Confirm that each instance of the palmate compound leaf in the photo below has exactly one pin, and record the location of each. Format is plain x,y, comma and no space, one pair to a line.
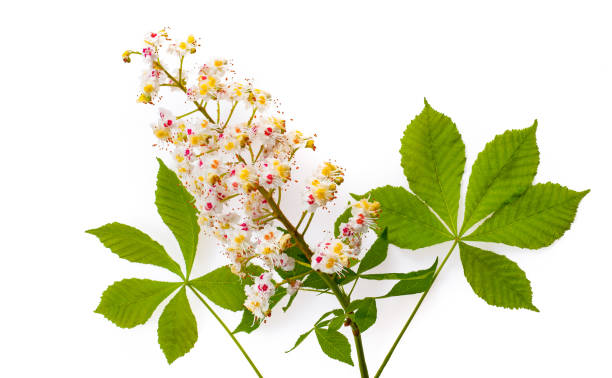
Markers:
502,171
177,329
534,220
334,344
176,207
433,158
409,222
134,245
496,279
131,302
222,287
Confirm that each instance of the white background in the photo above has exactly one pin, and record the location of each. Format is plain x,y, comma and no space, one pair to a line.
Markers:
76,153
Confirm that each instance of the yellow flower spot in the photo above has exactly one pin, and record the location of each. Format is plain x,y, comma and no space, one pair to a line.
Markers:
338,248
239,239
144,98
310,144
218,63
330,263
244,174
284,171
320,193
182,45
197,140
328,169
162,133
191,39
230,146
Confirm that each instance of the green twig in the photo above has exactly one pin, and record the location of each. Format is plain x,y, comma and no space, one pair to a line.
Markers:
342,298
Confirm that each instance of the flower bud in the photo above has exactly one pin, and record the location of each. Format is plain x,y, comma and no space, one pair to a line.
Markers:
284,242
310,144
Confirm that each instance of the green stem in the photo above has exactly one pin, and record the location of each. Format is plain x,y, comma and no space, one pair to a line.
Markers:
342,298
227,330
301,219
416,308
230,114
252,115
259,153
353,288
251,153
308,223
186,114
315,290
218,111
181,70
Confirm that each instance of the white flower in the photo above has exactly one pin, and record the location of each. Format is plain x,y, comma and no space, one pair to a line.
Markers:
332,256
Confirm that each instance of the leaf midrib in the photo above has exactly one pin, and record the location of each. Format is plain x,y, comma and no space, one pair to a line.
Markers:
453,225
466,221
475,233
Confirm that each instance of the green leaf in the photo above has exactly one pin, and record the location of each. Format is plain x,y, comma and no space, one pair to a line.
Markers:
495,278
343,218
366,314
534,220
290,302
336,312
222,287
410,283
336,323
177,329
433,158
376,254
131,302
502,171
176,207
409,221
248,323
335,345
253,270
301,338
134,245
